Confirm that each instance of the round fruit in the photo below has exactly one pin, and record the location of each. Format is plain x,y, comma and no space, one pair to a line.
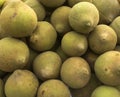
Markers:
14,54
21,83
75,72
83,19
53,88
74,44
105,91
103,38
47,65
107,68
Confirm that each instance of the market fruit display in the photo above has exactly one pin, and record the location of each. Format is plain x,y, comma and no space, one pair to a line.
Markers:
59,48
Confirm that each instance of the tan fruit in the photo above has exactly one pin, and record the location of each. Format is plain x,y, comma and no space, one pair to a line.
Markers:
47,65
21,83
84,19
38,8
107,68
103,38
18,19
74,44
53,88
14,54
54,3
59,19
44,37
105,91
75,72
107,14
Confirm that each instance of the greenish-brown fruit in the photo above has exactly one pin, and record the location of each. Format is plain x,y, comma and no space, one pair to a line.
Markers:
103,38
107,68
117,48
2,88
75,72
2,3
88,89
61,53
84,19
18,19
90,57
74,44
54,3
14,54
47,65
32,56
73,2
53,88
107,14
21,83
105,91
38,8
44,37
115,24
59,19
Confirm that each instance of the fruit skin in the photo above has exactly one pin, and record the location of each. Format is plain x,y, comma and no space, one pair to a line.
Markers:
83,19
44,37
107,67
105,91
89,88
21,83
18,19
54,3
74,44
49,87
73,2
2,2
38,8
115,24
47,65
107,14
103,38
2,88
14,54
60,21
75,72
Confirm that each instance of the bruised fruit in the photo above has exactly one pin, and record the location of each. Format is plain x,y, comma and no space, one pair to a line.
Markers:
103,38
2,88
38,8
89,88
60,20
47,65
14,54
54,3
44,37
75,72
105,91
21,83
84,19
74,44
18,19
116,25
73,2
107,68
108,10
53,88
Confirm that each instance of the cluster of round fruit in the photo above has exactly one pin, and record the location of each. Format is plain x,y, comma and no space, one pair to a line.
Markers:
59,48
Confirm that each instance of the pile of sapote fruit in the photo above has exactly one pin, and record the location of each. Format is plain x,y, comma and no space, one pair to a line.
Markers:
59,48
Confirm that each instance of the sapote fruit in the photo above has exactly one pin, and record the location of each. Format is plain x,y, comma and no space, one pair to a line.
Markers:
21,83
18,19
83,19
107,68
14,54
